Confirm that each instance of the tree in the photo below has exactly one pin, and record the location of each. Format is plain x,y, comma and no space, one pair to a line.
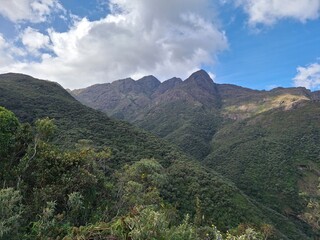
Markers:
10,212
146,223
45,128
8,127
139,184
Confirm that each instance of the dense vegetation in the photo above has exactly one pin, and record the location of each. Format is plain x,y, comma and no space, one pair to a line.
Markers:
273,157
83,175
49,193
266,142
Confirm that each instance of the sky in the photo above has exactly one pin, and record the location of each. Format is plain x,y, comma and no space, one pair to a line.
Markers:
259,44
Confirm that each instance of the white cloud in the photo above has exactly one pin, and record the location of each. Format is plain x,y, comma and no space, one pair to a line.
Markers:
139,37
308,77
269,12
4,56
33,40
29,10
8,52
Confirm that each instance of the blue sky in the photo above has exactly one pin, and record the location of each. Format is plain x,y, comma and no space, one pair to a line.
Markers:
267,57
259,44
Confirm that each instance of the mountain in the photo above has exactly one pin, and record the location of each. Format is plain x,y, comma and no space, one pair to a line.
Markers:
195,100
187,113
123,96
266,142
220,201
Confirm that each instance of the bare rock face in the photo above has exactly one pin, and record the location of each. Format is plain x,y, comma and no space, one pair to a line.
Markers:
202,80
121,98
167,85
148,84
202,88
136,100
129,100
316,96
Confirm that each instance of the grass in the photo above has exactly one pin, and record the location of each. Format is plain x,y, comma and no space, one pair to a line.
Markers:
249,109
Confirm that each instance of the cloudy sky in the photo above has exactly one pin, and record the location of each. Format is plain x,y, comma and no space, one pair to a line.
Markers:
259,44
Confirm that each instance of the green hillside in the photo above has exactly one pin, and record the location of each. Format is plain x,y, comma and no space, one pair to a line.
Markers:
31,99
273,157
190,188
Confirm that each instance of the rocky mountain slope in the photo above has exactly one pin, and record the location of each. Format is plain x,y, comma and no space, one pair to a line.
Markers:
187,113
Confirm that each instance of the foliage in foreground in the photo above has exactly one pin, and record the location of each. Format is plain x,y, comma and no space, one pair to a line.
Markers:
49,193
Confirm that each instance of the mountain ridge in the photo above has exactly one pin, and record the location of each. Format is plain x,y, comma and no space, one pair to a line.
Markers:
196,99
199,83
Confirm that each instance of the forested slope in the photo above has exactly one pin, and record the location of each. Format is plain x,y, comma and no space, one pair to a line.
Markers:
266,142
273,157
40,170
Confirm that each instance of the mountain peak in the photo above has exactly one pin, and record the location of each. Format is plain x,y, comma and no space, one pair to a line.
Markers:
201,73
121,81
149,80
167,85
149,83
172,82
201,78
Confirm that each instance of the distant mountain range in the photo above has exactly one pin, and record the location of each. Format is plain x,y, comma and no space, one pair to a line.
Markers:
128,99
187,113
250,156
